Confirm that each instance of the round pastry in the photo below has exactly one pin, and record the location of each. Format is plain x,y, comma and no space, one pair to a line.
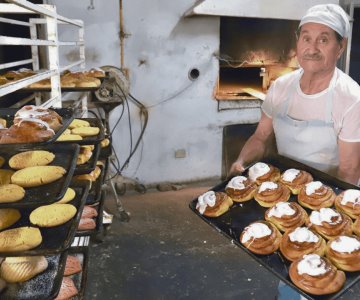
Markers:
261,172
348,202
52,215
344,252
240,189
11,193
269,193
329,223
295,179
20,239
213,204
286,215
31,159
316,275
299,241
261,237
316,195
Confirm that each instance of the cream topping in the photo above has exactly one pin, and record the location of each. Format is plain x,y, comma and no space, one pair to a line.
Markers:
290,174
34,120
351,196
345,244
281,209
255,231
267,185
31,111
311,187
325,215
204,200
311,264
258,170
237,182
302,235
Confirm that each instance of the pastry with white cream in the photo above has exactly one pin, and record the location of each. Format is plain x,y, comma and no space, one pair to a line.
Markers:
213,204
348,202
295,179
261,172
316,195
269,193
240,189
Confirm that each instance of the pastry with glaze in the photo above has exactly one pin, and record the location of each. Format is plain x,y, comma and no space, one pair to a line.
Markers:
316,195
240,189
269,193
261,172
348,202
295,179
213,204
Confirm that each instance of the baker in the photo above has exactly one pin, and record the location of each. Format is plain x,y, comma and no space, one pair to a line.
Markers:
315,110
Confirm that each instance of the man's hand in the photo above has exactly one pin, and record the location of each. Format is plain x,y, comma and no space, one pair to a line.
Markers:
236,168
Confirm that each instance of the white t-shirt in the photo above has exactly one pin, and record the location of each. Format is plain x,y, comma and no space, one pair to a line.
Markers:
345,110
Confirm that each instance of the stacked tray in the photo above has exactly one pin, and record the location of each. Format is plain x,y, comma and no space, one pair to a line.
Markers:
240,215
89,165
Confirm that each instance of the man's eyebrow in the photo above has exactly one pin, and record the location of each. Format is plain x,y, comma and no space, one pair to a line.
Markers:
322,33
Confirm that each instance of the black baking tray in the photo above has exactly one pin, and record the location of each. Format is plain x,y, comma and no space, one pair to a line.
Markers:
45,285
95,191
59,238
65,156
67,115
90,165
240,215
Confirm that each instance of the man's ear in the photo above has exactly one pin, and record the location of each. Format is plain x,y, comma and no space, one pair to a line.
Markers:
343,44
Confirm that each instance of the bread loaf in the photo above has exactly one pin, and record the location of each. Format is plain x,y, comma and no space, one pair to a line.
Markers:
11,193
8,217
20,239
31,159
86,131
52,215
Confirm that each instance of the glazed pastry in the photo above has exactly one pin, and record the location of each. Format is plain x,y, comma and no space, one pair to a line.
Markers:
213,204
344,252
269,193
240,189
316,195
286,215
348,202
295,179
261,172
329,223
300,241
316,275
261,237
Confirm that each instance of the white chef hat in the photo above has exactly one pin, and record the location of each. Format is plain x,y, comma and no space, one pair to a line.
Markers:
331,15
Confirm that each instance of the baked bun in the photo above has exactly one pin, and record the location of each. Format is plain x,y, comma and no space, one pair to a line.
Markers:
31,159
92,176
240,189
20,239
295,179
11,193
213,204
316,275
5,176
72,265
52,215
330,223
45,83
85,131
286,215
8,217
300,241
348,202
344,252
84,155
69,137
104,143
269,193
22,268
261,237
67,289
316,195
69,196
95,72
86,224
78,123
261,172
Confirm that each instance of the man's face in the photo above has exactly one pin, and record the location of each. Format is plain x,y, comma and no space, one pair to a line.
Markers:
317,48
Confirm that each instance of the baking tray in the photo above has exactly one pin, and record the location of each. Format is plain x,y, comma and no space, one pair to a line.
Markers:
90,164
95,191
59,238
45,286
65,156
67,115
240,215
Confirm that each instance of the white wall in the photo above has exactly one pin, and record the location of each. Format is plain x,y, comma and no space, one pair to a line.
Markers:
161,48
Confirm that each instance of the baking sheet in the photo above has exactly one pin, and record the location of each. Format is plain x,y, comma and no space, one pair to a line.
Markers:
240,215
58,238
67,115
45,285
65,156
90,164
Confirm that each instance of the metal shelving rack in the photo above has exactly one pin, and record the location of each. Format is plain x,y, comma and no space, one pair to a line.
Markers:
51,20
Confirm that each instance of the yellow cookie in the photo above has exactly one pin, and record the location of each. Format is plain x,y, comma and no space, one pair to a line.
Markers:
69,195
104,143
36,176
30,159
2,160
8,217
52,215
69,137
11,193
5,176
20,239
79,123
86,131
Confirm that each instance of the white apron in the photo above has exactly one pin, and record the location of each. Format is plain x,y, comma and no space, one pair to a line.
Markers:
312,142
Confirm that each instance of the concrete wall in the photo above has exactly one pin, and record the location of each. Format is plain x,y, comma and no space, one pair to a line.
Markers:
160,50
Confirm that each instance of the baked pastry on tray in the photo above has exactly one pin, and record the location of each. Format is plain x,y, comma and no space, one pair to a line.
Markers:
213,204
240,189
330,223
269,193
348,202
316,275
316,195
344,252
295,179
286,215
261,172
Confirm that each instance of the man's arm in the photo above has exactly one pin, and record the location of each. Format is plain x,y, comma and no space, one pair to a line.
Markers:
349,161
255,146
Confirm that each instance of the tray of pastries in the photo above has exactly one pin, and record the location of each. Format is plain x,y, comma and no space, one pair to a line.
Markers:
45,229
33,125
31,277
37,175
87,159
301,224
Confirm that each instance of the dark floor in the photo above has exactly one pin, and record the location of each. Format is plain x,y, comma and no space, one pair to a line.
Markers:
168,252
